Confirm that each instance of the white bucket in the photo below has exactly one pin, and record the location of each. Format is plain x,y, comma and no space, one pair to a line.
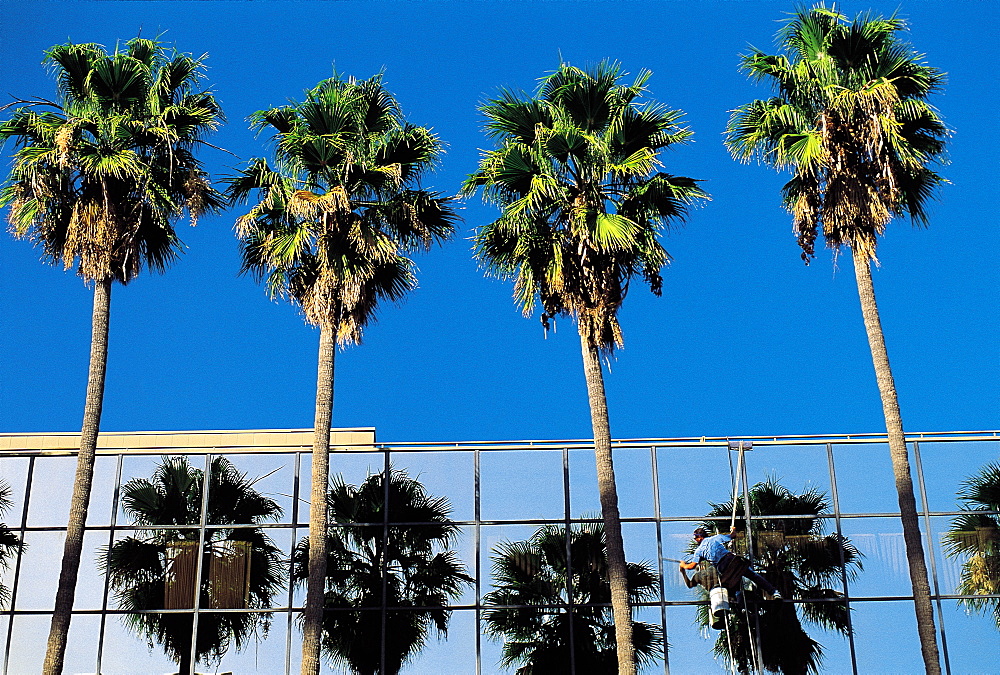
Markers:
719,599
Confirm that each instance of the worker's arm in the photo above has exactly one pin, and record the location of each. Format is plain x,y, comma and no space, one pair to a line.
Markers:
688,565
687,582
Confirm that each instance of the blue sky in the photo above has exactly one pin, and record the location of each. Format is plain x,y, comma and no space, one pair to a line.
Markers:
746,340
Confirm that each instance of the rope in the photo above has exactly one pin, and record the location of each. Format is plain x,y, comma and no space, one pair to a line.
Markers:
736,482
729,643
755,628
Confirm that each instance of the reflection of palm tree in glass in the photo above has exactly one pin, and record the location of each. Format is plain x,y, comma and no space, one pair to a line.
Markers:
10,543
534,573
975,538
241,566
372,553
803,563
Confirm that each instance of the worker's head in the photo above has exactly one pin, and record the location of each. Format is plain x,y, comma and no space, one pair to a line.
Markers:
700,534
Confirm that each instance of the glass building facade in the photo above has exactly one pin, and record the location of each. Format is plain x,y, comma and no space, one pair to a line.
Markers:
505,492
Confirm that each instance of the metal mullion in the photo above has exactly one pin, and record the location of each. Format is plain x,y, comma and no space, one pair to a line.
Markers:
659,554
265,610
386,480
476,514
931,553
749,536
567,505
17,564
291,565
199,561
107,576
843,562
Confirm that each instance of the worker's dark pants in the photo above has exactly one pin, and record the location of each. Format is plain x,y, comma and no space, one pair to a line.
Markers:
759,581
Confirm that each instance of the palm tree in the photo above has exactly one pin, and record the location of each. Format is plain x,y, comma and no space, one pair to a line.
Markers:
156,569
99,178
851,121
975,539
567,604
583,205
334,219
802,561
10,543
390,572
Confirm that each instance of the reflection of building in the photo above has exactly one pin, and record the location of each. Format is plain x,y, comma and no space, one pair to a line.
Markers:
228,573
500,491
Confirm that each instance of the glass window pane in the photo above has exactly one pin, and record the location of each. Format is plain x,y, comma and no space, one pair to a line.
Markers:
29,633
14,472
143,468
126,651
860,466
640,545
676,541
102,492
51,491
690,645
90,583
521,484
797,467
633,480
263,652
454,653
880,542
947,465
969,634
491,537
967,558
81,643
691,478
443,474
272,476
42,561
872,621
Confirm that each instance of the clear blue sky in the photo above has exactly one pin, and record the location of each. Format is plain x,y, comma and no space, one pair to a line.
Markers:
745,340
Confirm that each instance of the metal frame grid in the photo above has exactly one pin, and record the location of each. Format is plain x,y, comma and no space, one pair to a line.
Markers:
295,453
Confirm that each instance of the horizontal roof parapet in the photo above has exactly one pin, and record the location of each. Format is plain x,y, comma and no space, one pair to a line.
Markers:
192,441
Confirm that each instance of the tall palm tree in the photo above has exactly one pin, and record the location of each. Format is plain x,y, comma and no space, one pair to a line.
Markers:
335,216
156,569
851,121
975,539
10,543
583,206
99,178
803,562
538,637
378,553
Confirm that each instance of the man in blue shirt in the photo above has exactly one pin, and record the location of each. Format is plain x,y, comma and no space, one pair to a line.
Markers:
713,549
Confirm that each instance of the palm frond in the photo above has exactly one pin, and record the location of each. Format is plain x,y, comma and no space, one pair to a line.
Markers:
582,206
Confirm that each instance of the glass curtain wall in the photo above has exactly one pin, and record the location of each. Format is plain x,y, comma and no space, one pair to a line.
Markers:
207,542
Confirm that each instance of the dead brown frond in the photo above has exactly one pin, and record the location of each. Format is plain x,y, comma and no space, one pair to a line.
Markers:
195,188
64,143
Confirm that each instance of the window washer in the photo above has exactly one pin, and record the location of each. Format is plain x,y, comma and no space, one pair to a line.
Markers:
730,566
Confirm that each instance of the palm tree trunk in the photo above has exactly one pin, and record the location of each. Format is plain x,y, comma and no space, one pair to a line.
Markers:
185,667
900,467
609,507
312,629
55,651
